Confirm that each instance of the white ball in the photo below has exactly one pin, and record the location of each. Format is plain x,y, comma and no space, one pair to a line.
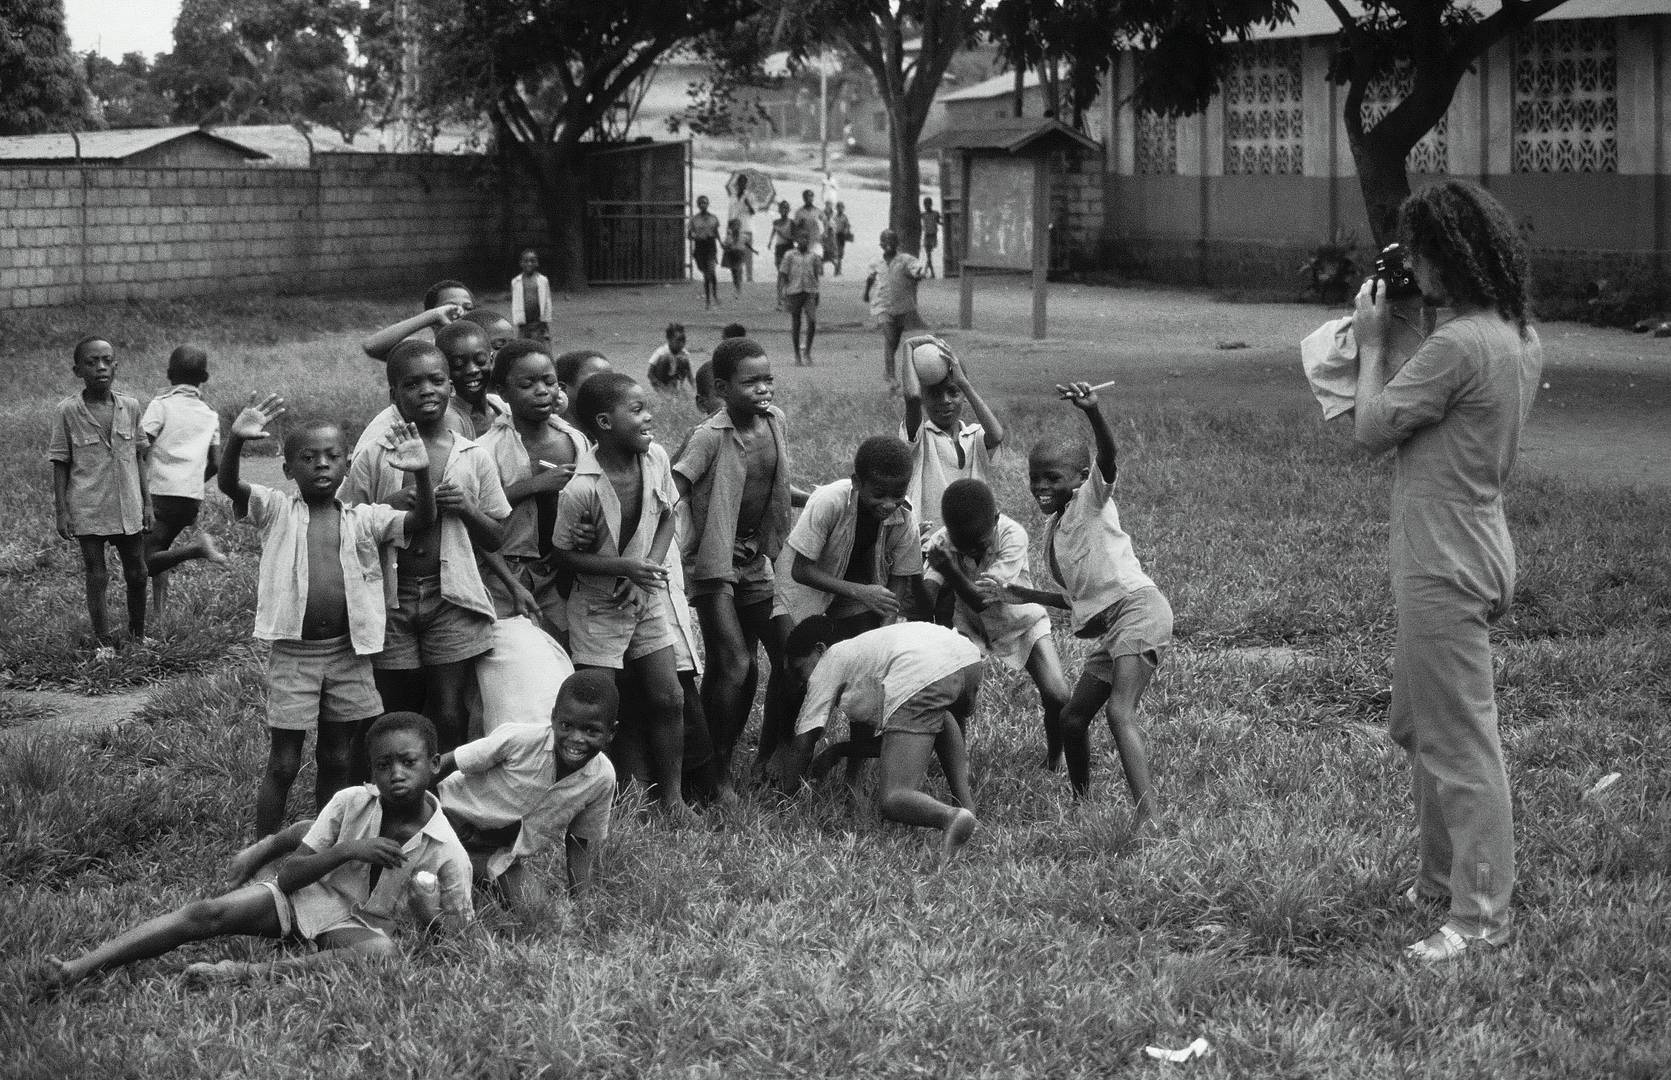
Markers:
929,359
424,881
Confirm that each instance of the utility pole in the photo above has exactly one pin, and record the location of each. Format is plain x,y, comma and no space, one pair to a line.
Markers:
823,113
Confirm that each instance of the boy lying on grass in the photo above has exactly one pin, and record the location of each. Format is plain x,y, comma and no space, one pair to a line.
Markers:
345,888
527,788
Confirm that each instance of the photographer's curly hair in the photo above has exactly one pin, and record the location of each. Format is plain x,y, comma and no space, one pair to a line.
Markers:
1474,244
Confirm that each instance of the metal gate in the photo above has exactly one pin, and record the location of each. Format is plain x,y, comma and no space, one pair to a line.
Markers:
636,210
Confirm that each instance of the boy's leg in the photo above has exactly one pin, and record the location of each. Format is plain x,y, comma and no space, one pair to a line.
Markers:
246,910
811,324
333,750
284,760
904,764
522,891
131,550
98,584
730,655
1044,664
1089,696
892,328
1131,678
664,708
783,697
449,685
795,325
335,947
174,515
953,752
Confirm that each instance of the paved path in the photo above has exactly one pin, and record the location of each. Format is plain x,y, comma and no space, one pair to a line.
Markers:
63,713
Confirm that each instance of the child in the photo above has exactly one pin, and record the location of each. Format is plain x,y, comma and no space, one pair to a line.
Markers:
944,447
445,301
324,620
469,362
1112,601
498,329
618,609
530,299
670,363
737,254
573,369
930,222
894,279
346,888
530,788
857,547
99,488
184,436
535,451
783,241
929,680
703,232
439,613
706,400
841,230
975,543
734,470
798,276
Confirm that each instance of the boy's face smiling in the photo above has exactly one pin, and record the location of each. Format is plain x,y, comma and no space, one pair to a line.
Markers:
468,361
318,465
880,496
580,732
401,766
750,388
456,294
531,388
530,263
1053,481
422,390
96,365
628,424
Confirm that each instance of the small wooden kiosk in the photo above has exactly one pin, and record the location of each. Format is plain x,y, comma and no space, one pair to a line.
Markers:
1004,212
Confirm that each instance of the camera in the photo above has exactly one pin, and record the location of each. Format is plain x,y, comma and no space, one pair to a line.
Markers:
1392,267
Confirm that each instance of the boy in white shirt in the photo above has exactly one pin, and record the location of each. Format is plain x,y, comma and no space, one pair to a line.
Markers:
531,299
185,445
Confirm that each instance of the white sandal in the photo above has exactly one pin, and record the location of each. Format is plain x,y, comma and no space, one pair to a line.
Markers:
1447,943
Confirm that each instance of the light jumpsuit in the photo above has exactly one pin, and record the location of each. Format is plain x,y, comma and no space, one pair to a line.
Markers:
1454,413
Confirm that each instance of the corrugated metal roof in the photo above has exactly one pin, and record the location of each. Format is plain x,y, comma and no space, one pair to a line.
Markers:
1313,18
1011,134
995,87
112,145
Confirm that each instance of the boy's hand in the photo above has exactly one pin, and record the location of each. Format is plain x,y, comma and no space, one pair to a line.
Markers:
938,560
1078,394
245,863
148,517
251,424
553,480
994,591
376,850
64,525
644,573
583,535
524,603
446,313
406,449
878,599
451,498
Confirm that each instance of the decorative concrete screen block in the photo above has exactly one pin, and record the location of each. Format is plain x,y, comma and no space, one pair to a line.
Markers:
1263,114
1566,104
1383,94
1156,138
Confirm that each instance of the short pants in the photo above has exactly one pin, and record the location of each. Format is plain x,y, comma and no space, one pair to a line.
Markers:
797,302
173,514
535,575
425,631
755,584
924,713
313,681
1138,624
604,632
289,924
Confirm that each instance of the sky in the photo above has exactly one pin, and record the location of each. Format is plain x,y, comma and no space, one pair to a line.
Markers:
115,27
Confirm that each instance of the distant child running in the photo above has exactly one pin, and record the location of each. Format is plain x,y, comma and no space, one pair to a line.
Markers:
893,278
737,254
185,451
345,888
526,789
99,487
670,363
799,275
930,222
918,684
320,595
1112,602
703,231
531,299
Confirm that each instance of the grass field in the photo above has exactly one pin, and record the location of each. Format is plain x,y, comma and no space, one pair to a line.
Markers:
788,941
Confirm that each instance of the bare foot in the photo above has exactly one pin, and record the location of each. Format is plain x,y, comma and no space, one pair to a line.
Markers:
211,550
726,796
680,814
219,971
52,976
956,834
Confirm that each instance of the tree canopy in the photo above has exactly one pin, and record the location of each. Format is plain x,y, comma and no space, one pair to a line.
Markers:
41,86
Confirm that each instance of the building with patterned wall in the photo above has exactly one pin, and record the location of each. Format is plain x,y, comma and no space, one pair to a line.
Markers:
1569,124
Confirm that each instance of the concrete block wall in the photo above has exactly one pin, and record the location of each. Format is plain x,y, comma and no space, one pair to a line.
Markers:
70,234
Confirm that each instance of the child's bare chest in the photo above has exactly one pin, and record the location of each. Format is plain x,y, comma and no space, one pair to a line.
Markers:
548,444
628,484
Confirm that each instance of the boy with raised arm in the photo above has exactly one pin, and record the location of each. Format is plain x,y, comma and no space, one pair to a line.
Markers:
525,789
734,470
1112,601
319,599
444,302
346,887
440,617
944,446
619,616
99,488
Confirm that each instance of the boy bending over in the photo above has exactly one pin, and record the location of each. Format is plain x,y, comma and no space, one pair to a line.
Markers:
527,788
319,599
346,888
918,683
1112,601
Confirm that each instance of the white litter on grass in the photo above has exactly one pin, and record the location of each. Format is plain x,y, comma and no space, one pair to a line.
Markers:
1200,1048
1600,786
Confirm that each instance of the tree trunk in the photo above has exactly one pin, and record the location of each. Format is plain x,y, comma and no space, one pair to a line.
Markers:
560,185
905,179
1383,182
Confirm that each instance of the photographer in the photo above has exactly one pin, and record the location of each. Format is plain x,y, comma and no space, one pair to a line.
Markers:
1452,415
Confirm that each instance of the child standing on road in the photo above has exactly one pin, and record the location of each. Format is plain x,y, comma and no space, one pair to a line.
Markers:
99,488
977,543
737,254
930,222
1112,600
320,598
894,279
619,615
440,616
346,888
528,788
798,277
185,442
531,299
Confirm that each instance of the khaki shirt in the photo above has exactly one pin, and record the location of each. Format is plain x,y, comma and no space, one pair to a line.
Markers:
103,494
903,658
1090,554
184,434
934,464
510,456
715,461
591,497
825,532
